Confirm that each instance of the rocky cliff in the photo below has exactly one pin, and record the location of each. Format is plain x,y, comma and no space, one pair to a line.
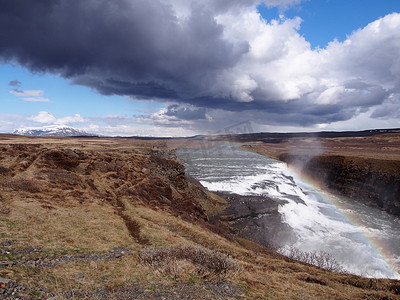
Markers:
256,218
374,182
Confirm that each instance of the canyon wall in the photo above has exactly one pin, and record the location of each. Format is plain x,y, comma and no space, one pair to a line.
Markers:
374,182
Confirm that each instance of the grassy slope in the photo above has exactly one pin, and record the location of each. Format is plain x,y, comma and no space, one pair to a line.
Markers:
76,196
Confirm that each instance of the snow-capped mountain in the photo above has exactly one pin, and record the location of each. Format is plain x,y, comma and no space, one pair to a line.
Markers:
52,130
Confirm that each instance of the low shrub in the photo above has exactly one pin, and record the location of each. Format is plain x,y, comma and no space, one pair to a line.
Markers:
320,259
64,177
21,184
4,170
65,159
180,261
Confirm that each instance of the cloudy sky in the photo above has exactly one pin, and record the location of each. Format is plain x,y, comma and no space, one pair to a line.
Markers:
185,67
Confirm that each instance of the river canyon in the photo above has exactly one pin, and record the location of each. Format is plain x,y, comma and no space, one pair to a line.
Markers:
364,240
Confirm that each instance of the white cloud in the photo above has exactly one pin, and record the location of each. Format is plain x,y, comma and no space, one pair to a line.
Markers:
331,85
283,4
43,117
280,61
331,95
134,130
370,53
161,118
9,122
243,87
30,95
156,124
27,93
36,99
70,120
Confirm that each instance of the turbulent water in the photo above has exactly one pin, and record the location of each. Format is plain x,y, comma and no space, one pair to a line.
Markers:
364,240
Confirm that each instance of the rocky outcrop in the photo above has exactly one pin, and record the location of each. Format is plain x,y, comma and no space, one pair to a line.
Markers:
256,218
374,182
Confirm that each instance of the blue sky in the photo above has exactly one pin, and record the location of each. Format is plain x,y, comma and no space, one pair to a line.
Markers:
326,20
65,98
201,107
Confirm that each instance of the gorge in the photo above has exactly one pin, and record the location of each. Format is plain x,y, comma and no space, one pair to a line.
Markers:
362,238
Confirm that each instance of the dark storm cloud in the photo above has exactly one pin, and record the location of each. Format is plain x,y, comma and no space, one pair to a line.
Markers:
293,112
125,47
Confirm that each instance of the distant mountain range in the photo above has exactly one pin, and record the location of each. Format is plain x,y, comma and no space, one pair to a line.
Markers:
52,130
265,137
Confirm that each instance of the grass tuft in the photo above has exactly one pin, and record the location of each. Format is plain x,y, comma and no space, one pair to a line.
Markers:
184,261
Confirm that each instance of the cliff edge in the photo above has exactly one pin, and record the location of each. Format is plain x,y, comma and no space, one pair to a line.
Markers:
373,182
363,168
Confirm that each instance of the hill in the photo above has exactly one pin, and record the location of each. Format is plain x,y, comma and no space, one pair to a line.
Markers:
52,130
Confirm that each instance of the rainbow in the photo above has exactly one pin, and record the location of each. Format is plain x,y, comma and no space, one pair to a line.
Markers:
380,249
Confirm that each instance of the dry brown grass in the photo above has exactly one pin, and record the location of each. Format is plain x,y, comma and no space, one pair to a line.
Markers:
183,261
382,147
173,230
87,228
107,274
79,209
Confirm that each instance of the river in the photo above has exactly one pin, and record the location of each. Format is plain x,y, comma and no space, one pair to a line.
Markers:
364,240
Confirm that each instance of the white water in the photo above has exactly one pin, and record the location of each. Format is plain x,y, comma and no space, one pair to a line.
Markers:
317,223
